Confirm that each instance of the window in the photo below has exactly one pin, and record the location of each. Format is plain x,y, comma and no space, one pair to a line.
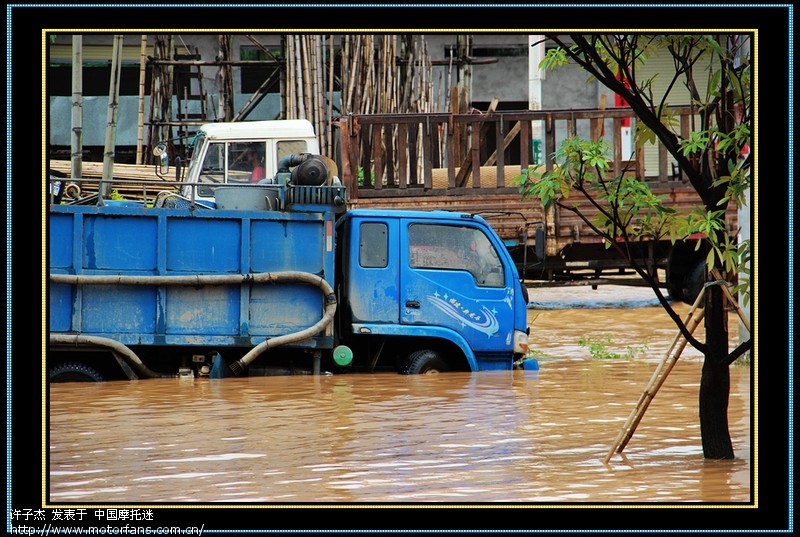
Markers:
96,68
291,147
246,162
373,250
95,80
243,163
253,76
434,246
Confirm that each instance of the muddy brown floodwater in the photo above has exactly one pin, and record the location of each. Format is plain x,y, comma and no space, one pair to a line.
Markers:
521,436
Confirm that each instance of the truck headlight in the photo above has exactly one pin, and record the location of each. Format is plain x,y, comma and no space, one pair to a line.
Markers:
520,342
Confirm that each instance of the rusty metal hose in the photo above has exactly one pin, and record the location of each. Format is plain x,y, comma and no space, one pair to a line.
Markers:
116,347
209,279
330,309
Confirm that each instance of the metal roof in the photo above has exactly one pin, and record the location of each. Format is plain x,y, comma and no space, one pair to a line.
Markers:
255,130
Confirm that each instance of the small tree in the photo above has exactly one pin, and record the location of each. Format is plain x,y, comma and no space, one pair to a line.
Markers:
715,158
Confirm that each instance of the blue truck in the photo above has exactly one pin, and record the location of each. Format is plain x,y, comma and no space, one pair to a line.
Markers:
276,278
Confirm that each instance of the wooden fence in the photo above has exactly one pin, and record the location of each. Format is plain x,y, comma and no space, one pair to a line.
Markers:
461,151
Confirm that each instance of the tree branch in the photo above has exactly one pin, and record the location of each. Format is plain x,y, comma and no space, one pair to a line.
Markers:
743,347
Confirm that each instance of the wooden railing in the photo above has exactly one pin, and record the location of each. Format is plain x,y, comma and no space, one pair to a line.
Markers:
390,154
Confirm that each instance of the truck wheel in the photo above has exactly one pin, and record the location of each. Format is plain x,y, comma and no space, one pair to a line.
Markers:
75,372
424,362
694,282
684,278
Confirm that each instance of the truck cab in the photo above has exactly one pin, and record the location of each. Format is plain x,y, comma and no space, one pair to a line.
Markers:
229,153
410,276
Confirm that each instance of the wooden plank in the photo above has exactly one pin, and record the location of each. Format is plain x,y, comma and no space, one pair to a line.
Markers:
477,137
427,169
347,163
413,128
500,155
524,144
378,155
402,148
477,142
388,160
451,155
144,172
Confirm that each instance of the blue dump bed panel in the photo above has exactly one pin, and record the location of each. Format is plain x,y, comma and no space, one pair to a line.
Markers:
135,241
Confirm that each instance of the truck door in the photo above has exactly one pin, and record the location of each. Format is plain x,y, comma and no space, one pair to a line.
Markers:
453,277
373,272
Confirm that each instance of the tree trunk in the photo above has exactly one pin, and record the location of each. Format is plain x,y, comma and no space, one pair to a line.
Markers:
715,381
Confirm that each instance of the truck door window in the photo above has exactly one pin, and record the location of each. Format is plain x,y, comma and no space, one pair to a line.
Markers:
435,246
212,171
246,162
231,162
373,248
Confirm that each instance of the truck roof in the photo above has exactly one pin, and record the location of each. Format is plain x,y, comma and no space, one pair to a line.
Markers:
411,213
254,130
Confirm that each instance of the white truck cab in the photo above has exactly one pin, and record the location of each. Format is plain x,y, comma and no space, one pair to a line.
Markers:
246,152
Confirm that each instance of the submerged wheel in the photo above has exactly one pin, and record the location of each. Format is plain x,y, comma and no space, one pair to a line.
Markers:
424,362
694,281
682,271
75,372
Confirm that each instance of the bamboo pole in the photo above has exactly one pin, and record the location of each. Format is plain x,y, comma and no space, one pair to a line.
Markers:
733,301
76,140
142,78
301,98
290,89
283,81
319,112
111,119
305,66
667,363
350,74
371,79
331,78
318,84
657,379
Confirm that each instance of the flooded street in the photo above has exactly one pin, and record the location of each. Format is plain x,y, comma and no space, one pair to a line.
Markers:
505,437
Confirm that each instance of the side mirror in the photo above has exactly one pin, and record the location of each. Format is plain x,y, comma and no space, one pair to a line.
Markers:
160,152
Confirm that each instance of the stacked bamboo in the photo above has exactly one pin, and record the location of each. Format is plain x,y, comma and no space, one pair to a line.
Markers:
308,83
383,74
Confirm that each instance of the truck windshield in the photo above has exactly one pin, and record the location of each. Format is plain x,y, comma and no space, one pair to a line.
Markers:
232,162
438,246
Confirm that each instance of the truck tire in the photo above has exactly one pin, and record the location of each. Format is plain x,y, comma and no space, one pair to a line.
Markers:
424,362
694,282
681,265
75,372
